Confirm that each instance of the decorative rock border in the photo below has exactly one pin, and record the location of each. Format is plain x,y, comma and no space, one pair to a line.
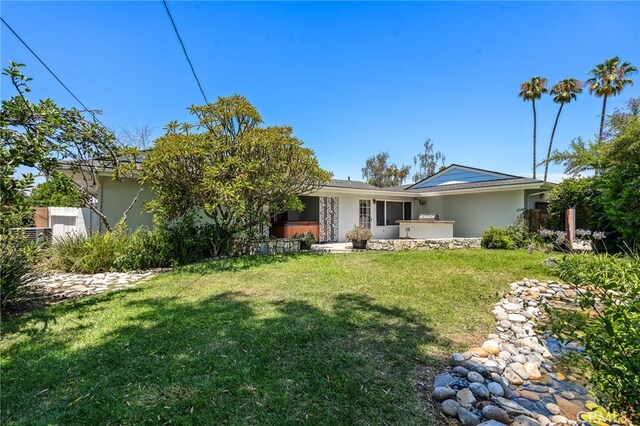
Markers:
281,245
489,385
57,287
420,244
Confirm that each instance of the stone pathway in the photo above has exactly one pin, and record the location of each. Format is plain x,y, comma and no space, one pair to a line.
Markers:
511,378
58,287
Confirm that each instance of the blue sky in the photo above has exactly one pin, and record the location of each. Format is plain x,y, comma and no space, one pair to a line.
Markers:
351,78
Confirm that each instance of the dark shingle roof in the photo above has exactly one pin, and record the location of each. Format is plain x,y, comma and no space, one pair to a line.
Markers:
353,184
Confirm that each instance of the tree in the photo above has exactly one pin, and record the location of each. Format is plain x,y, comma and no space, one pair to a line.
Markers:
236,172
609,78
44,138
563,92
531,91
377,172
58,191
427,161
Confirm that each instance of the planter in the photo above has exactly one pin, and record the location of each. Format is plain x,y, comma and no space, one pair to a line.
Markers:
359,244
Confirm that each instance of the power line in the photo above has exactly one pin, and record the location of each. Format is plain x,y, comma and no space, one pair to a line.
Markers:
43,64
184,49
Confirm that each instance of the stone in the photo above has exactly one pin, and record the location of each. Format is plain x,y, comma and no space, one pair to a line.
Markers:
512,377
516,318
491,423
511,407
519,369
538,388
506,346
568,408
450,407
529,395
441,393
491,346
479,390
519,358
542,419
479,352
559,419
495,389
492,412
465,398
467,418
478,368
475,377
505,323
525,421
457,359
460,371
504,355
553,408
532,370
568,394
445,380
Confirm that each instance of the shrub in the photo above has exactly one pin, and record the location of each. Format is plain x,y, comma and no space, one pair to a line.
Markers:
606,324
306,239
18,258
496,238
520,231
358,233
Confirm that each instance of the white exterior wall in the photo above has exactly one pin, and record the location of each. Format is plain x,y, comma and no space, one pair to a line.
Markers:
474,213
67,221
349,212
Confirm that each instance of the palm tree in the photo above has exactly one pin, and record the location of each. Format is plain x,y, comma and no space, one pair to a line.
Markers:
563,92
530,91
609,78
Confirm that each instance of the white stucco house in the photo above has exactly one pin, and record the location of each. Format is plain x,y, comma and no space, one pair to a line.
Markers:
467,201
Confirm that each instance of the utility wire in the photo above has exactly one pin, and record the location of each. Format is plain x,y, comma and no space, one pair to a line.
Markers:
184,49
44,65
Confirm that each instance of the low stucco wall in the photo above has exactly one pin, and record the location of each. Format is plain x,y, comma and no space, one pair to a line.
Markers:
419,244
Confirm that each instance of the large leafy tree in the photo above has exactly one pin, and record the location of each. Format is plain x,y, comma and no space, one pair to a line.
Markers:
533,90
427,161
41,138
58,191
230,167
378,172
563,92
609,79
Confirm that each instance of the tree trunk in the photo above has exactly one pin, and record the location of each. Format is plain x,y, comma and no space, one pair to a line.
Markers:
604,107
533,104
553,132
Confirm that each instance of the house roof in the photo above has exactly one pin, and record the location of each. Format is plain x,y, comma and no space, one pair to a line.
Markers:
353,184
458,174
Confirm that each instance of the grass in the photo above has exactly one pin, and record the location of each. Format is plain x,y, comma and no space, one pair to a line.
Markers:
316,339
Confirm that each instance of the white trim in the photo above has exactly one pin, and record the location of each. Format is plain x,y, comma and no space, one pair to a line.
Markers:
481,190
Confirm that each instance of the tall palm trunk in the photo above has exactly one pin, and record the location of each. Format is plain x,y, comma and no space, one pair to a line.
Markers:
604,107
533,103
553,132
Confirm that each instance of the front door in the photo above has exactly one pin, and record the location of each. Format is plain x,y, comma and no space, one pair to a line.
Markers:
328,219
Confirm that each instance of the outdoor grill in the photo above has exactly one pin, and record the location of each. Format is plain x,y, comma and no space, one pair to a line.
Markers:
428,217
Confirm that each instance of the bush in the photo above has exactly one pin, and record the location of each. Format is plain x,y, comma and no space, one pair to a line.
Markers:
520,231
166,245
496,238
606,325
358,233
18,259
306,239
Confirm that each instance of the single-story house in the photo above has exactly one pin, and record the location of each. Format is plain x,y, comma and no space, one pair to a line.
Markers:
466,200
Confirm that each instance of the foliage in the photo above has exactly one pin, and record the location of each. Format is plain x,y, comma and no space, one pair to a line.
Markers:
378,172
520,230
18,260
236,172
358,233
497,238
45,137
315,325
609,79
607,324
58,191
533,90
563,92
306,239
427,161
179,243
609,199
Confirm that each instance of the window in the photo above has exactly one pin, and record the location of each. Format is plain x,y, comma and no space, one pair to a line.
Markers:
388,213
365,213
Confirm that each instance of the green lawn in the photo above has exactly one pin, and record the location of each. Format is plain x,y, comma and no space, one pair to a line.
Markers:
317,339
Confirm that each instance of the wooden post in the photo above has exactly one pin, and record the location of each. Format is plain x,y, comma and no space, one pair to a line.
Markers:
570,222
41,217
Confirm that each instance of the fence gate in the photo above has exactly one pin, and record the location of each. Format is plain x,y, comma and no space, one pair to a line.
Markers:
328,219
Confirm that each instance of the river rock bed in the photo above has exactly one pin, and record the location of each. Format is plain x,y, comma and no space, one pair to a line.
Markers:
511,377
